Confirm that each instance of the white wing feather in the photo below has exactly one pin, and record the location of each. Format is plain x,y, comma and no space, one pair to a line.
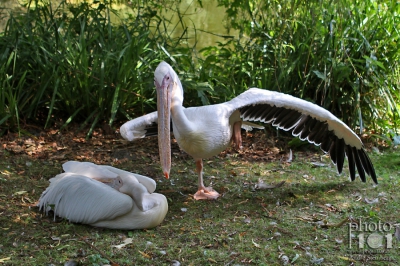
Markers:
82,199
136,128
88,169
255,96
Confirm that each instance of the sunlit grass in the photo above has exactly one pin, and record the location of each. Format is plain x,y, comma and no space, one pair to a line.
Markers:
245,226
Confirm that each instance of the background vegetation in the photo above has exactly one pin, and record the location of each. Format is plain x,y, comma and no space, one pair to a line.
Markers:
67,63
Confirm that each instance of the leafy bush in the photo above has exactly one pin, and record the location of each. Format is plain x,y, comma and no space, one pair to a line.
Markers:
343,55
70,63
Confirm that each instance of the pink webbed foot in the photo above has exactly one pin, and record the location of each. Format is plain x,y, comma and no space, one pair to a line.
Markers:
206,193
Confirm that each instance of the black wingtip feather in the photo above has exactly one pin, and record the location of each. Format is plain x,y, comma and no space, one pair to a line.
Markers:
315,131
352,163
340,147
359,165
367,165
333,152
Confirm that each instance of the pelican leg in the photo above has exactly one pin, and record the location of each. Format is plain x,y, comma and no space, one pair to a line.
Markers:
236,136
203,192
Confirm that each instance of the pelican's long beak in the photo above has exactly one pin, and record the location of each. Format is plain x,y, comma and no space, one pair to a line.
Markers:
164,91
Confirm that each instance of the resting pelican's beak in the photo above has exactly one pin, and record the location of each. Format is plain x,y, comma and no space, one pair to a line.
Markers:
164,91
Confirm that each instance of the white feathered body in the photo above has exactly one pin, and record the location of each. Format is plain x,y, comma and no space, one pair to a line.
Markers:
82,198
211,133
205,131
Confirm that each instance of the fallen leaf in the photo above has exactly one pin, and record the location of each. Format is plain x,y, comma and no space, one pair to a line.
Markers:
20,192
62,247
295,258
372,201
346,258
4,259
127,241
315,260
255,244
338,240
316,164
262,185
145,254
5,172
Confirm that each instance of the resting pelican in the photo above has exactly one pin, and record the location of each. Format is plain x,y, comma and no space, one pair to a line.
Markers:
205,131
104,196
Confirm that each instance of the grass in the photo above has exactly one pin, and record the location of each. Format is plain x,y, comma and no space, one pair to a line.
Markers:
63,63
58,69
246,226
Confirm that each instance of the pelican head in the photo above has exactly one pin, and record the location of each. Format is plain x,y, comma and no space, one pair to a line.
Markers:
165,80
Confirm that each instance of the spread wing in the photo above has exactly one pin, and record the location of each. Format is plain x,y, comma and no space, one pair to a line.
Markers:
140,127
309,122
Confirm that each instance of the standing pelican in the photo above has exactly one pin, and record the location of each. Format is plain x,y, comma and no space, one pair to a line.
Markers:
104,196
205,131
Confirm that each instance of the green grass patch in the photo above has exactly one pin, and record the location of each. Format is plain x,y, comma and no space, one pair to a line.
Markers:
91,65
304,220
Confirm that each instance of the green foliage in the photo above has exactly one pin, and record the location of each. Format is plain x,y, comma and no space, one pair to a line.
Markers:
71,63
342,55
97,260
